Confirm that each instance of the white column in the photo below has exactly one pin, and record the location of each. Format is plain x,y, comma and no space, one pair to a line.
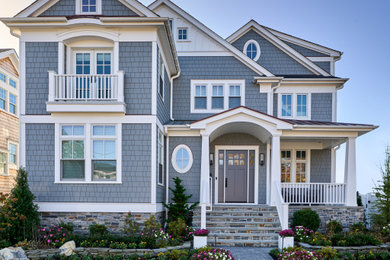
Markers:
204,178
350,172
270,102
275,165
61,58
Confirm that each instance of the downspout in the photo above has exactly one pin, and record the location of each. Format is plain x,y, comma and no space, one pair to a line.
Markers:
171,96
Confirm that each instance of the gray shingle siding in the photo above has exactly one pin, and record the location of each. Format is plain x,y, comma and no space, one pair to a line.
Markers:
136,170
40,58
109,8
135,59
305,51
193,68
325,65
160,193
320,166
275,104
272,58
321,107
61,8
163,107
191,179
115,8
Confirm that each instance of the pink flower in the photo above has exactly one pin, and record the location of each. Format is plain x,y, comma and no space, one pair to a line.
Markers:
51,235
48,241
63,234
43,229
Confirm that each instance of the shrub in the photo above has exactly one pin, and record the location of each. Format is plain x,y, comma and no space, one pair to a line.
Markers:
98,230
55,236
303,234
334,227
355,239
299,253
19,216
320,240
177,228
131,226
307,218
357,227
152,224
207,253
177,254
180,208
327,252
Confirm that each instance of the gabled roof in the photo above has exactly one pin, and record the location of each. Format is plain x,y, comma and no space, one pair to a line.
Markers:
39,6
12,55
263,31
196,23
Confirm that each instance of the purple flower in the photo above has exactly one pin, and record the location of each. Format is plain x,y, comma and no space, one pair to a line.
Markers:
286,233
201,232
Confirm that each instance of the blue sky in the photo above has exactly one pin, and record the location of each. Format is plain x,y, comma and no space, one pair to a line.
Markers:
358,28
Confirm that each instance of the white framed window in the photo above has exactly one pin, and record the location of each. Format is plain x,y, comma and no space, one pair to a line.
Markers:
12,104
3,163
3,77
252,49
89,153
182,158
294,105
161,77
3,99
160,157
12,83
295,165
214,96
88,7
182,34
88,62
13,153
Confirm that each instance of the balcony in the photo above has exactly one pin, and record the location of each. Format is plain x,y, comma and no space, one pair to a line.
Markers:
86,93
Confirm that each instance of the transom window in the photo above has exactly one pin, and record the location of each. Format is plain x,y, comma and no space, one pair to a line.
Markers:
214,96
182,158
3,163
12,104
3,98
12,153
294,105
182,34
252,49
89,153
294,166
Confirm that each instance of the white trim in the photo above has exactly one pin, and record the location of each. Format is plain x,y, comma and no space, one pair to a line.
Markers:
258,53
153,164
109,107
204,53
99,207
93,118
190,160
79,10
294,106
16,163
209,86
160,153
154,78
22,78
61,50
320,59
268,173
177,34
237,53
294,161
216,177
22,144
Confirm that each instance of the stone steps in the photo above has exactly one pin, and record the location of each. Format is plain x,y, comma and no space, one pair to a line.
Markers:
248,226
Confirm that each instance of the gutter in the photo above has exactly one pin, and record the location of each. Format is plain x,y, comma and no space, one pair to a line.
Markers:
171,95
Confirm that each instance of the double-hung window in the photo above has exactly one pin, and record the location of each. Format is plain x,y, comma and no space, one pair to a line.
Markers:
201,97
12,153
286,105
12,104
12,83
294,165
3,98
301,105
3,163
294,105
160,157
161,72
182,34
104,153
217,98
3,77
234,96
72,152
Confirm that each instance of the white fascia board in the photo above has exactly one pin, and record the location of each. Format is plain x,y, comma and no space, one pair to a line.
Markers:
99,207
34,7
338,82
237,53
280,44
88,118
138,8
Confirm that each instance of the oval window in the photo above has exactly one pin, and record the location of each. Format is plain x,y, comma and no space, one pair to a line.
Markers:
252,49
182,158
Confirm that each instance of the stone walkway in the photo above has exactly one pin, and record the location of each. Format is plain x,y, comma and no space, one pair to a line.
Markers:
250,253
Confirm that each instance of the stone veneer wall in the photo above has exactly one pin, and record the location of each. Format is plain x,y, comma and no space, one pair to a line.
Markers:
82,220
346,215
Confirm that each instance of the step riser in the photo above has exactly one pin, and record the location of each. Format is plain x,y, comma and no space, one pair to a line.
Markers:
239,220
232,214
238,244
243,225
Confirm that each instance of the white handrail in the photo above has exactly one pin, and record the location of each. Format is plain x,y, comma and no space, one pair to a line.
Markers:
281,206
210,201
73,87
313,193
203,204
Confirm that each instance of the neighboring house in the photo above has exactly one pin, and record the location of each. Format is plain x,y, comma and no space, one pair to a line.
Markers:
368,201
118,98
9,118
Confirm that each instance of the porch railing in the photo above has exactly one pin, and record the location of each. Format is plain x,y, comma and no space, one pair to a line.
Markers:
281,205
85,87
313,193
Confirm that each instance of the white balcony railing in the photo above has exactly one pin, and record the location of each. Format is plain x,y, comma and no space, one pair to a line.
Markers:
86,87
313,193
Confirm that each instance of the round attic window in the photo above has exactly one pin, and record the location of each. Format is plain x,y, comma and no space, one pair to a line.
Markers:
252,49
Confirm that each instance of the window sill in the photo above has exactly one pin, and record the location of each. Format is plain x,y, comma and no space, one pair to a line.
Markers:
183,40
87,182
160,184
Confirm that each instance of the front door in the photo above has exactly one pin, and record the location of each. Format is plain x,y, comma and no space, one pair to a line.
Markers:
236,176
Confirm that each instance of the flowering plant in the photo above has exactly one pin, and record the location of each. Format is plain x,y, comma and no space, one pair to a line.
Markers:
54,236
286,233
201,232
386,229
303,234
207,253
299,254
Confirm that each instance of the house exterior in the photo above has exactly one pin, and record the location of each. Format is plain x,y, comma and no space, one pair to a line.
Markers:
117,99
9,118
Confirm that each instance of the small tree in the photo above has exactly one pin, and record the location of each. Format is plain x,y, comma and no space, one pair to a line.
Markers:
180,208
359,199
382,193
19,216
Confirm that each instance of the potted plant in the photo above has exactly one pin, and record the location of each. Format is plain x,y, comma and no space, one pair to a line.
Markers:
286,239
200,238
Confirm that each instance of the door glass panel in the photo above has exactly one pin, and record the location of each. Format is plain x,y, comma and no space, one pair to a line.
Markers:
285,166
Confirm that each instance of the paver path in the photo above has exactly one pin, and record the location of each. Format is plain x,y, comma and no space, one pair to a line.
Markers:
250,253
